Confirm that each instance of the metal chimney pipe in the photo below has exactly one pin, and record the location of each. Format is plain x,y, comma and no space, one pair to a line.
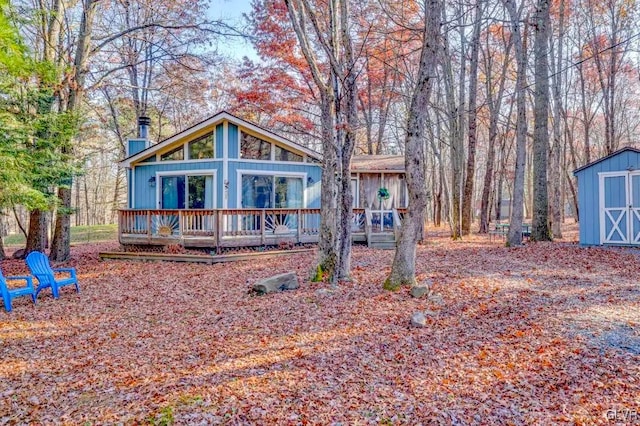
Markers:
143,127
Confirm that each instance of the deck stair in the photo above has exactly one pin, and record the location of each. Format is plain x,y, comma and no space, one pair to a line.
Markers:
382,240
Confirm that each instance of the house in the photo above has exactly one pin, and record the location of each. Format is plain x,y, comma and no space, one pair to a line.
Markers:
226,182
609,199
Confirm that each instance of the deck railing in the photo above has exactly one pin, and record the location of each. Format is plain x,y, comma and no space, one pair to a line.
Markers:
229,227
213,227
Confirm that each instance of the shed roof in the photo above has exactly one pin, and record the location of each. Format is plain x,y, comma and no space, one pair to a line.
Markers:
379,163
599,160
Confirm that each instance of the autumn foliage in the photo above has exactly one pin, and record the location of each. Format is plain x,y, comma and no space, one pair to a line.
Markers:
545,334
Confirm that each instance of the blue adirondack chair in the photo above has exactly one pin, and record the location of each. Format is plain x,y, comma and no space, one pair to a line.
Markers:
8,294
38,263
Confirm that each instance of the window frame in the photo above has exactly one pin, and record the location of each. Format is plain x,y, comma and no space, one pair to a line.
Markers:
187,145
172,151
274,174
186,174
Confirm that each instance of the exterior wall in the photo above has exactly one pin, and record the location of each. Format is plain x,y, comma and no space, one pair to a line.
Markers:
234,145
305,170
145,195
134,146
589,193
219,137
226,164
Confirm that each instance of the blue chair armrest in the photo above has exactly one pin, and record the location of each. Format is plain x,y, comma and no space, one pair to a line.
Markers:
71,271
26,278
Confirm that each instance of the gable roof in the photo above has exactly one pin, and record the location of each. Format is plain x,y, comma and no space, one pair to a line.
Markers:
378,163
599,160
214,119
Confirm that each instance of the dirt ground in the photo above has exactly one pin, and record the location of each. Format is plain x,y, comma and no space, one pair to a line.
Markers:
548,333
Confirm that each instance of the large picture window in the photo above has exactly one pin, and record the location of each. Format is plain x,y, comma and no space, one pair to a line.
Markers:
254,148
202,147
190,191
266,192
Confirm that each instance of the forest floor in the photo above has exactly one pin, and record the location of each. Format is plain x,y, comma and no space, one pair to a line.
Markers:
547,333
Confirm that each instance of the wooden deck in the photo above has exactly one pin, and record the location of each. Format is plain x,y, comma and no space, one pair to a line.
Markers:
230,228
193,258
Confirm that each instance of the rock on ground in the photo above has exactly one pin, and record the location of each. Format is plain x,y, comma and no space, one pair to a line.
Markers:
418,320
277,283
419,291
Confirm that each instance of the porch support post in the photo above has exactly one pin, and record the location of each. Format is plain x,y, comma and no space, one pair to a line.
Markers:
149,226
216,229
220,229
299,227
263,223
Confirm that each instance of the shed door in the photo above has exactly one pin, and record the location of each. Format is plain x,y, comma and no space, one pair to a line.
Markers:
634,207
615,206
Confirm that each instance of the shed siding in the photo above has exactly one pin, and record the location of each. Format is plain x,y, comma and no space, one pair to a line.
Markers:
312,171
589,197
233,147
145,196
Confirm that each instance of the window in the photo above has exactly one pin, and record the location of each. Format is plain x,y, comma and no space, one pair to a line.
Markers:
176,154
187,191
257,192
288,193
265,192
285,155
254,148
202,147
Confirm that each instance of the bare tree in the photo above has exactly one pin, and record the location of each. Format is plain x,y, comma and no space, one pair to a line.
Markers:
403,268
514,237
540,225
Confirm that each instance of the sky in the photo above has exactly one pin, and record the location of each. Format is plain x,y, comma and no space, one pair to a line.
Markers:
231,12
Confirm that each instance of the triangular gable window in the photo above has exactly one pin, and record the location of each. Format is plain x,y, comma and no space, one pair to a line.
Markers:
253,148
173,155
286,155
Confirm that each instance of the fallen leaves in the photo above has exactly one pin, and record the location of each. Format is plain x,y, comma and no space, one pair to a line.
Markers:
512,339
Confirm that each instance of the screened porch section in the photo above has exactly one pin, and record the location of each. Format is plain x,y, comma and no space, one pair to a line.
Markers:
381,193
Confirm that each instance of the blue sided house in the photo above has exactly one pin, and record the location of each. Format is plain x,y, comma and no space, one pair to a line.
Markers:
609,199
226,182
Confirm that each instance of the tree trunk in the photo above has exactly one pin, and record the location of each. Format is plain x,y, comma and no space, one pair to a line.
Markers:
514,237
404,262
540,225
329,204
2,253
555,175
61,245
36,240
467,196
61,248
494,103
350,117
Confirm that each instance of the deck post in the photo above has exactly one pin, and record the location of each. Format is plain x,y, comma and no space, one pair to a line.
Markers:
220,229
120,226
149,226
263,222
216,229
299,227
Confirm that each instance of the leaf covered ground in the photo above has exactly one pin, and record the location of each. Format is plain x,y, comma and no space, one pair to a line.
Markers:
543,334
